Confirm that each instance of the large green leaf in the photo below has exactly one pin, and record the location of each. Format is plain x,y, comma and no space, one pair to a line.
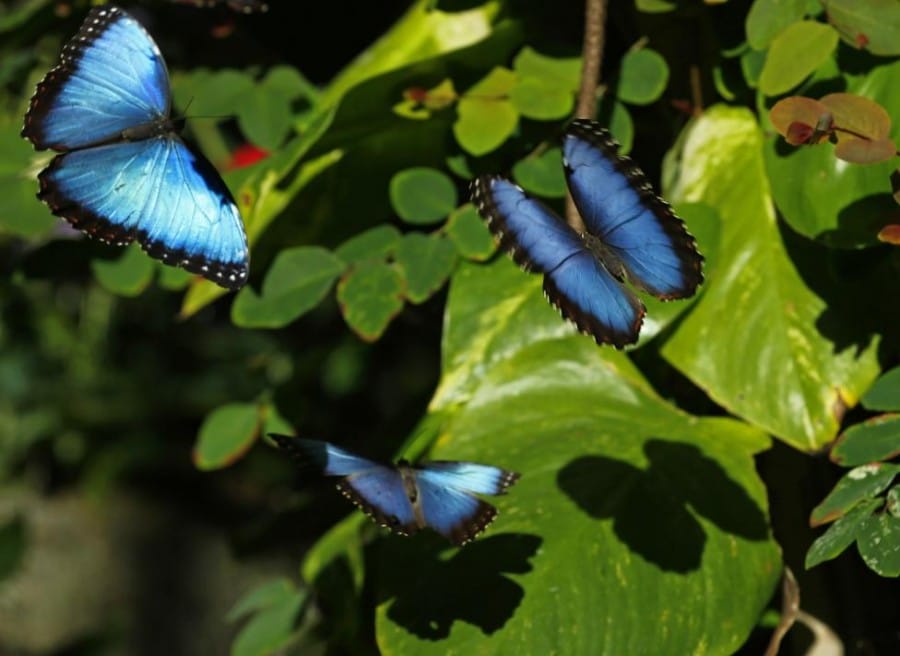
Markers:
768,339
825,198
870,24
635,528
767,18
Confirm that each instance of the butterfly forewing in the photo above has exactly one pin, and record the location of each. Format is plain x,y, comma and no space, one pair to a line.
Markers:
618,206
111,77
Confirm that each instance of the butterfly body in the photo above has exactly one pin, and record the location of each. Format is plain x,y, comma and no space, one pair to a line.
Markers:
407,498
631,236
122,172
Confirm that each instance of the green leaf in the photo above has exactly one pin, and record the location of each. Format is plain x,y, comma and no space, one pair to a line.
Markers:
795,54
374,244
262,596
614,115
872,440
892,501
769,362
643,76
542,174
212,93
13,540
752,63
468,232
129,275
422,195
173,278
767,18
884,395
627,507
425,261
265,118
296,282
541,100
879,544
565,72
822,197
343,540
370,296
22,214
841,534
656,6
270,629
486,117
226,434
289,82
855,486
873,25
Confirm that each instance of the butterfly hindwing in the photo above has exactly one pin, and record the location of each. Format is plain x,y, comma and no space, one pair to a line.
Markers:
381,493
575,280
618,206
446,500
158,192
111,77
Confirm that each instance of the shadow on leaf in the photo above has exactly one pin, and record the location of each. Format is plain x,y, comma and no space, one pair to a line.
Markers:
650,507
427,593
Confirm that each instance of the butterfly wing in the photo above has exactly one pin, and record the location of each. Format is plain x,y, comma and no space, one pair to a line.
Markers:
111,77
377,490
445,500
575,281
469,476
155,191
618,205
325,457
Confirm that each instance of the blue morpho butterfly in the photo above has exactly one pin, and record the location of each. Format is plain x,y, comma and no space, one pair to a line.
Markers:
631,235
243,6
123,172
438,494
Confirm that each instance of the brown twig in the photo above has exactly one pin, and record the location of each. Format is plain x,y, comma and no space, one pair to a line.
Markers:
591,56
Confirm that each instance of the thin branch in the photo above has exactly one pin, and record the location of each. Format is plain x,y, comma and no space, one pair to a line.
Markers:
591,56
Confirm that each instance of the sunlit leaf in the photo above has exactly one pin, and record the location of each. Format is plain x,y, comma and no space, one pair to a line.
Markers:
794,54
769,362
855,486
872,25
486,117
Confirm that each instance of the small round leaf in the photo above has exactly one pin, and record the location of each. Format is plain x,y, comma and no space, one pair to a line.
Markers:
422,195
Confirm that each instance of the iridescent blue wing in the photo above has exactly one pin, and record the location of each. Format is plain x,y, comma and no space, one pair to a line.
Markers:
111,77
378,490
158,192
575,279
468,476
446,502
618,206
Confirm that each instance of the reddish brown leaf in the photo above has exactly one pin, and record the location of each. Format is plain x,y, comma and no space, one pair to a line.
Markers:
863,151
890,234
796,109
